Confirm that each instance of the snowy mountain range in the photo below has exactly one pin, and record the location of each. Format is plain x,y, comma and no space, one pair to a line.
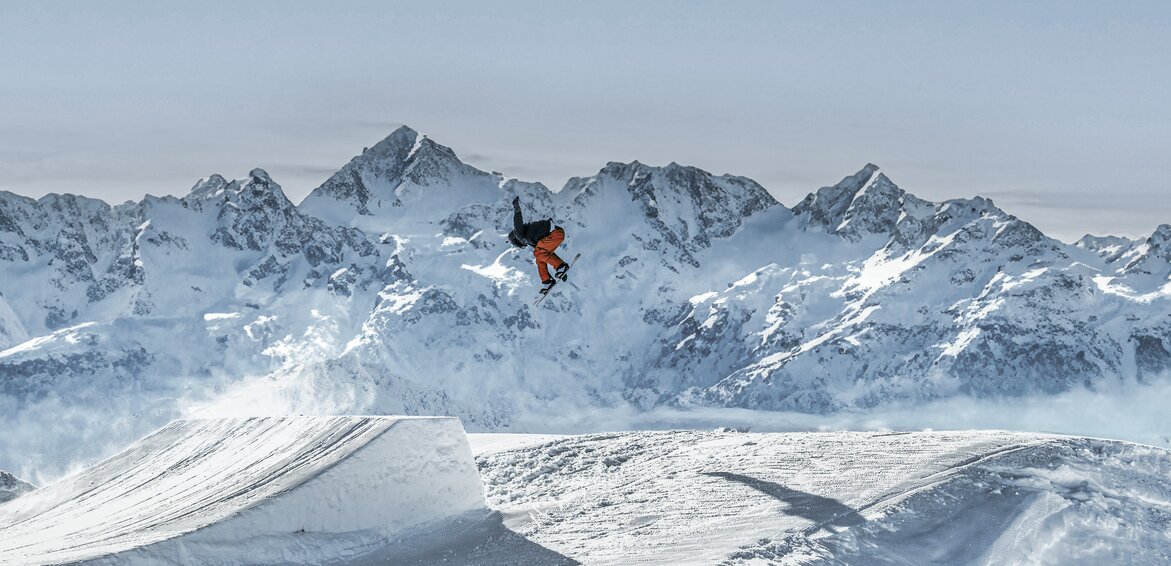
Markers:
391,289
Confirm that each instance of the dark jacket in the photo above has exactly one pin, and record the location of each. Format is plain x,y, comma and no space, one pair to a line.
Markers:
527,234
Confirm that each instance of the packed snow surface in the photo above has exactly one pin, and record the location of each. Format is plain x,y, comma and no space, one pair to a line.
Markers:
366,490
837,498
251,491
489,442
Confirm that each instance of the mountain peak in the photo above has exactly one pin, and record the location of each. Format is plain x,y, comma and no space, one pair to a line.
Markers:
1160,241
1110,248
403,168
258,188
12,487
404,136
686,205
829,206
868,203
1149,255
393,149
856,182
404,147
1094,243
868,171
620,169
209,187
624,171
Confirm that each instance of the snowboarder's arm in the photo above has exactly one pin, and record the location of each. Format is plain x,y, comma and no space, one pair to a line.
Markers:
518,222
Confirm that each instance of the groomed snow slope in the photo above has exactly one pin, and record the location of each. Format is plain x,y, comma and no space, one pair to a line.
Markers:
252,490
837,498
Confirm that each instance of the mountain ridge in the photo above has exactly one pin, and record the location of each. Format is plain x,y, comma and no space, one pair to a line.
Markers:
390,288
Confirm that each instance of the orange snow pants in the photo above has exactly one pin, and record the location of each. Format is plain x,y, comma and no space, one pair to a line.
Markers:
543,251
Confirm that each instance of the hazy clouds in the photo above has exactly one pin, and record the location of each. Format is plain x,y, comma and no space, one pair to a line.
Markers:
1055,110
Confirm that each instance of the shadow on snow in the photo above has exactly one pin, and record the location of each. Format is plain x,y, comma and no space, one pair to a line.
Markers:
823,512
474,539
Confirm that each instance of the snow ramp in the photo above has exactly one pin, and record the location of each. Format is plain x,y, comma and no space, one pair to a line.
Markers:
252,491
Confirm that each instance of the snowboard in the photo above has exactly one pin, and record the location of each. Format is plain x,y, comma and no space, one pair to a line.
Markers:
542,297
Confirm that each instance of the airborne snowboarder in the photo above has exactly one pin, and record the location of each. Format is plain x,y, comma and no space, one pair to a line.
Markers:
544,237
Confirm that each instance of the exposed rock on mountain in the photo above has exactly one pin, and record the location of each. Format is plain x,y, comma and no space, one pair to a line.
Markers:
392,289
12,487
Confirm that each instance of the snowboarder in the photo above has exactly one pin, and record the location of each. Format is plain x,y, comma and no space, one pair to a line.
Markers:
544,237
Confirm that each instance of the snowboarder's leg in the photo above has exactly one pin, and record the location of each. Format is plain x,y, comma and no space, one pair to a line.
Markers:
543,251
542,269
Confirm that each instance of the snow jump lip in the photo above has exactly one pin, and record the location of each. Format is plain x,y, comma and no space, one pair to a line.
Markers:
217,489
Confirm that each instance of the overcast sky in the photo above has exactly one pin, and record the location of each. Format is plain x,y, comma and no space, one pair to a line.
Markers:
1060,112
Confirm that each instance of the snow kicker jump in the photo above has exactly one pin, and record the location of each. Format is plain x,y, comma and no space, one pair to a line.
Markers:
251,490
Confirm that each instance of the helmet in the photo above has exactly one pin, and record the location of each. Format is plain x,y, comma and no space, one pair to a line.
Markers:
512,237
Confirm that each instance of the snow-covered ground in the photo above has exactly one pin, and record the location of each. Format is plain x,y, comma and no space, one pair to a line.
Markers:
845,497
251,491
365,491
491,442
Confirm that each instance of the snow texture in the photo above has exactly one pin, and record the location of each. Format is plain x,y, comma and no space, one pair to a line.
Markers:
278,490
391,290
384,490
834,498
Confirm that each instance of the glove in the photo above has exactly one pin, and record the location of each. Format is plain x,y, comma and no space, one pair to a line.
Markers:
562,272
549,283
515,202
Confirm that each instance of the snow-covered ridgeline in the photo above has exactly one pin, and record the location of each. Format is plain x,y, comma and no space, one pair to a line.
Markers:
390,289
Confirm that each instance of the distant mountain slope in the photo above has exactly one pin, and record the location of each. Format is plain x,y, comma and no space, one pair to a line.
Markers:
392,289
12,487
